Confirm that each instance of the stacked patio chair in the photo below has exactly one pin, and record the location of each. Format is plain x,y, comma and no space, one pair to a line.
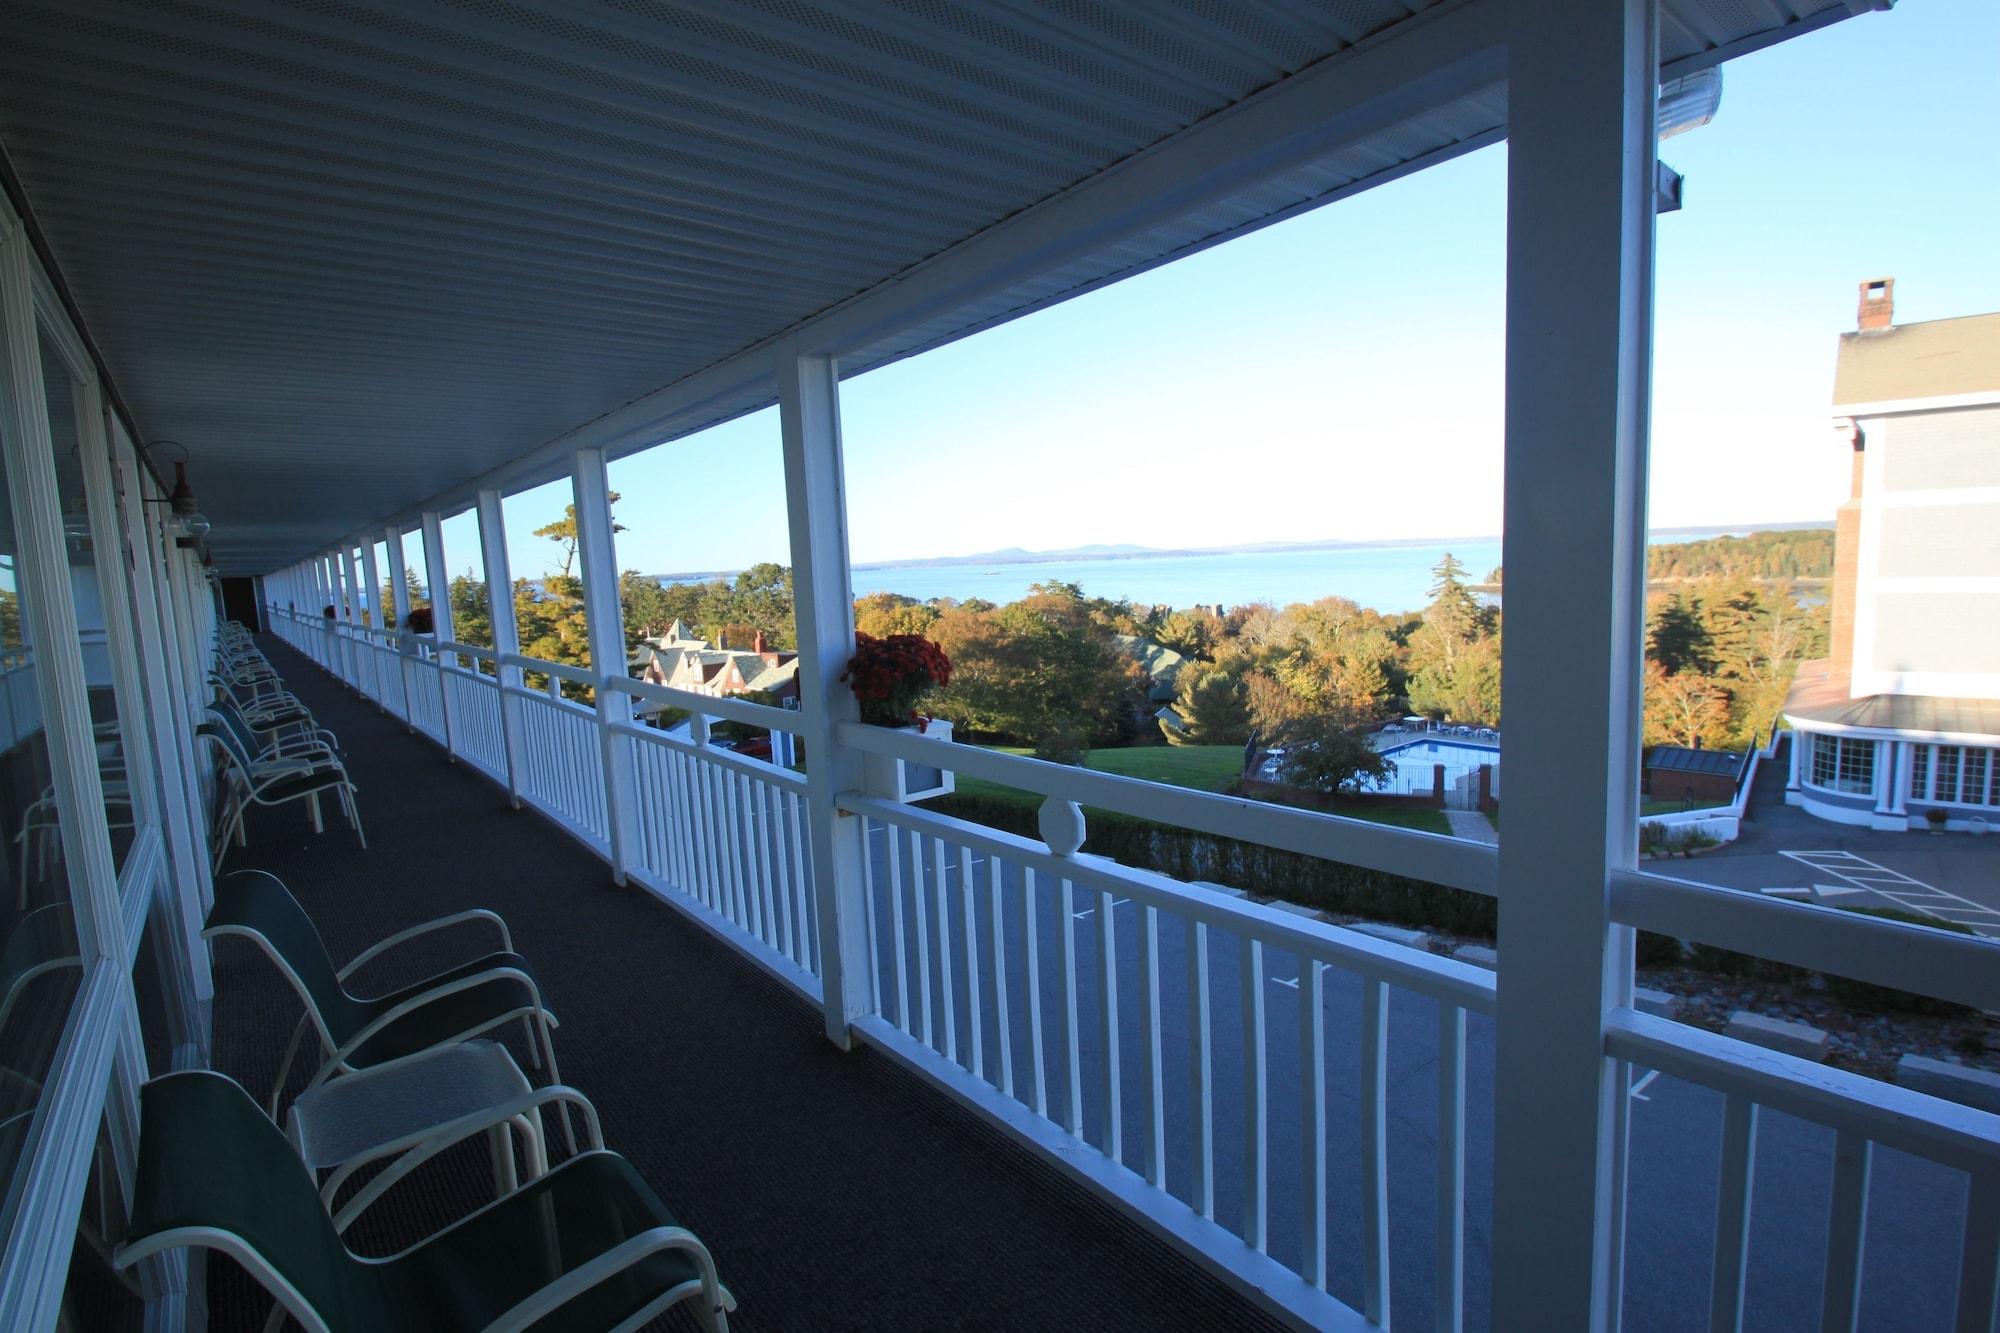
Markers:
403,1078
272,750
586,1246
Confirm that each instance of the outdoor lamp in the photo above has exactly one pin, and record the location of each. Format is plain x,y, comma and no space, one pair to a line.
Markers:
184,519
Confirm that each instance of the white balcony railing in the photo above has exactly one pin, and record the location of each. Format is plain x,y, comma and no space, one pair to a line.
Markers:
1221,1068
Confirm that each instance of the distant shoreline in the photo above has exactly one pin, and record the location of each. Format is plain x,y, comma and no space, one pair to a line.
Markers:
1017,556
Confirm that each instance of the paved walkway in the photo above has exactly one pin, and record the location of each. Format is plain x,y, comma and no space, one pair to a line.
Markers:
1472,826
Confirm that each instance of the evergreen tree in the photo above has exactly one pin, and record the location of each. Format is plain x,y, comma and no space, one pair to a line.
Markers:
1214,708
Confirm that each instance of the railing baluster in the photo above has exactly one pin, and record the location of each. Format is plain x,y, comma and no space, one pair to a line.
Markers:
712,853
808,931
1250,959
1979,1260
781,868
869,915
947,1023
974,1019
1312,1120
756,793
1201,1080
1031,981
1003,1045
1155,1150
729,841
893,836
1451,1169
1375,1151
1107,1017
1732,1213
1072,1058
920,932
1840,1311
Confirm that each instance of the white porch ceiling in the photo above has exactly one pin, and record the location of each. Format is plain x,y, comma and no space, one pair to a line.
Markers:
353,254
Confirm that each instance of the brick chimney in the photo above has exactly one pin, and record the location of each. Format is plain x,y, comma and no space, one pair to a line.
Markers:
1878,305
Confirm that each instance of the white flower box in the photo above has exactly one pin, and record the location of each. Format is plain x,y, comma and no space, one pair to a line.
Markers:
898,780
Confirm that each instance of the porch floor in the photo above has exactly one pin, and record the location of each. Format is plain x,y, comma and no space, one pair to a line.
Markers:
835,1190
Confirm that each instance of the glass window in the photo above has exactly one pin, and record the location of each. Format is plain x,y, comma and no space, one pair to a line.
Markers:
1857,766
1841,764
1920,772
1972,788
87,593
40,959
1947,773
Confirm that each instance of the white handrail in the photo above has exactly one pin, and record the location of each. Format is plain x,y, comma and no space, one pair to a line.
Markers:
1944,964
1445,979
733,710
1901,1118
1425,856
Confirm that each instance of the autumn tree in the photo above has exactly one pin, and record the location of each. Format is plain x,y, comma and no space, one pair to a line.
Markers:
884,613
1041,671
1684,708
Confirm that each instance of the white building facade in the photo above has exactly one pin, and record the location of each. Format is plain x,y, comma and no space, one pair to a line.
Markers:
1899,727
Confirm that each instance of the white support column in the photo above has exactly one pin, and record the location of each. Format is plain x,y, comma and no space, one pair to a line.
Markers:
399,593
597,557
439,588
371,586
399,578
357,655
1581,154
822,585
506,639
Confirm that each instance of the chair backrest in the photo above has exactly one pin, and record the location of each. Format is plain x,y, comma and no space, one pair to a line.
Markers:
220,733
256,903
209,1158
226,712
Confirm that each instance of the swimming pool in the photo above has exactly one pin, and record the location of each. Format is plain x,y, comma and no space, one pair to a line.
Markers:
1415,763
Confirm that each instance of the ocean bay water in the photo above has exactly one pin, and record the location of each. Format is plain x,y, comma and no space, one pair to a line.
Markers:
1389,578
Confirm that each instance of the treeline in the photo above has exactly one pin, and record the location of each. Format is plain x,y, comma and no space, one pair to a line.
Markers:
1064,672
1804,554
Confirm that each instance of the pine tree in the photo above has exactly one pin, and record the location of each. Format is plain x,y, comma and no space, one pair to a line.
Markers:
1214,708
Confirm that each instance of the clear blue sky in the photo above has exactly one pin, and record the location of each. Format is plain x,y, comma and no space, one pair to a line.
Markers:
1339,375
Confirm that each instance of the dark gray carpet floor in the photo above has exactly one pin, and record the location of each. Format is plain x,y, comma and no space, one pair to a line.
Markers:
835,1191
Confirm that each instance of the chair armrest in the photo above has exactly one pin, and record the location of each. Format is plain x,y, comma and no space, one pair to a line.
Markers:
532,996
383,946
613,1261
416,1149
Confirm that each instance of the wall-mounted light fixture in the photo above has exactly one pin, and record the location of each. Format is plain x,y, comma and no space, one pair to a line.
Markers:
185,522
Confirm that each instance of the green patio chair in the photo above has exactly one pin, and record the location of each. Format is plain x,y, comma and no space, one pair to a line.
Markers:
354,1032
588,1246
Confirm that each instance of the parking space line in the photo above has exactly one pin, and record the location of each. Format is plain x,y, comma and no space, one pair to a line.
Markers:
1901,889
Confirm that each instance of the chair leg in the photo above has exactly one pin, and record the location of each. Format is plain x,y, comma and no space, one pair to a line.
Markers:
312,811
285,1066
354,815
555,1076
500,1139
534,1143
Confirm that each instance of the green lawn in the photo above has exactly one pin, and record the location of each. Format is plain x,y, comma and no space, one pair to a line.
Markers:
1200,767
